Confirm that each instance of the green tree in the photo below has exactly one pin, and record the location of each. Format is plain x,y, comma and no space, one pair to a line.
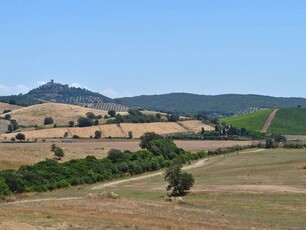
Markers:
98,134
20,137
15,124
202,131
58,152
48,121
7,117
66,134
71,123
84,122
146,138
90,115
179,182
130,135
4,189
158,116
112,113
10,128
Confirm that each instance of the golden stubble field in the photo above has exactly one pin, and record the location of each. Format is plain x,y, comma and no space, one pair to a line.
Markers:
118,131
61,113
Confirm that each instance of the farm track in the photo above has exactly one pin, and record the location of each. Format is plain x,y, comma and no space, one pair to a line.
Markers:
269,121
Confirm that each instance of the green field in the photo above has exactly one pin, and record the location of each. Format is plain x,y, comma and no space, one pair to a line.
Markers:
253,121
264,189
289,121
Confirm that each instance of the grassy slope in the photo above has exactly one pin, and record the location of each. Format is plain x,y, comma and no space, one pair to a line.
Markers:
290,121
253,121
142,202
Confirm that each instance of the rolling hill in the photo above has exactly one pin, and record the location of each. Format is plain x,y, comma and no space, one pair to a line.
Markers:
287,121
61,113
6,106
225,105
115,130
56,92
252,121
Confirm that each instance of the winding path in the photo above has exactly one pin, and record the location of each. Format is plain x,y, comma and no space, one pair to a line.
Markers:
269,121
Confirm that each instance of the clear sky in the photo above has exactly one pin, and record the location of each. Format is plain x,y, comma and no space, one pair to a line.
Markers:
133,47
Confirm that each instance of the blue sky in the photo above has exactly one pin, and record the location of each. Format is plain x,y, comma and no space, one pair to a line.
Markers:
134,47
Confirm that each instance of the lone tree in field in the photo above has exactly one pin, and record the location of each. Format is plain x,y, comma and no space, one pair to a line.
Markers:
20,137
98,134
48,121
58,152
179,182
71,123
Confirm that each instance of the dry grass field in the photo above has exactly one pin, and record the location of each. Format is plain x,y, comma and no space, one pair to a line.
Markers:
115,130
61,113
13,155
4,106
250,190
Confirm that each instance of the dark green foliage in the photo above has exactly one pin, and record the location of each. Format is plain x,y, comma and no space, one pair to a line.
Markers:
7,111
226,105
84,122
20,100
130,135
112,113
173,118
179,182
71,123
15,124
7,117
98,134
270,143
146,138
48,121
4,189
75,136
134,116
58,152
90,115
50,174
20,137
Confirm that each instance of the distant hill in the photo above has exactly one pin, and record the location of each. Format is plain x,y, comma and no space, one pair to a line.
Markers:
224,105
56,92
287,121
61,113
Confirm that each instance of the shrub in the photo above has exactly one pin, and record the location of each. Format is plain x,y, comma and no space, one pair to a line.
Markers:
4,189
7,111
48,121
75,137
7,117
112,113
98,134
84,122
71,123
20,136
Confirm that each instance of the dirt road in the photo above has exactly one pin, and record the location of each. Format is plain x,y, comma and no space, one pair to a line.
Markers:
269,121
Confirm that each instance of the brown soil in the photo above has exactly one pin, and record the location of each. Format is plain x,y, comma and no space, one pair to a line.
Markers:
269,121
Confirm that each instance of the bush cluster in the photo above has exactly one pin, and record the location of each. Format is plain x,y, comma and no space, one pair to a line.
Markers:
50,174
